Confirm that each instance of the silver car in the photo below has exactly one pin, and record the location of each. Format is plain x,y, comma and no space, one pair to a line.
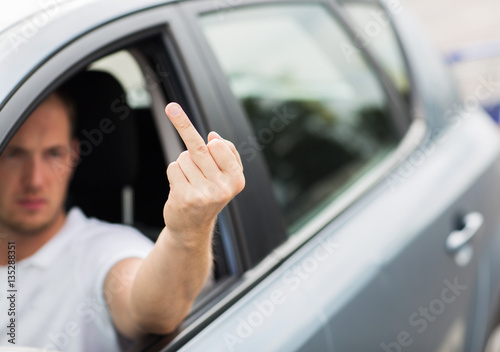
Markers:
370,220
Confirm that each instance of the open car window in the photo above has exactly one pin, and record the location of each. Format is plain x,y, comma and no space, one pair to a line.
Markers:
126,142
122,164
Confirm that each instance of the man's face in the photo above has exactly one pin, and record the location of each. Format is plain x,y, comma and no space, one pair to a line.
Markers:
35,170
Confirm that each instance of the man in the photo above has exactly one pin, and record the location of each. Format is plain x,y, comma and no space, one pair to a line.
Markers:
149,295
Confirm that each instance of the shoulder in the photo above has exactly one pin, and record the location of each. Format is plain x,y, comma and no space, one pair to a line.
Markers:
101,244
92,230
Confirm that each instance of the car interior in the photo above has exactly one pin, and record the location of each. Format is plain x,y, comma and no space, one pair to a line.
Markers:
121,174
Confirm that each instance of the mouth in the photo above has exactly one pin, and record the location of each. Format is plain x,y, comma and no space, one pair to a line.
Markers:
32,204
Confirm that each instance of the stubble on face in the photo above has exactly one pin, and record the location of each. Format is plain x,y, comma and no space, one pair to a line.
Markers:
21,226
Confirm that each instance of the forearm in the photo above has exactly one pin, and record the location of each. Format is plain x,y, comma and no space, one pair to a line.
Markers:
203,180
170,279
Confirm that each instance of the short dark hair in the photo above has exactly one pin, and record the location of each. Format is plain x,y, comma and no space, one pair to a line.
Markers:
70,106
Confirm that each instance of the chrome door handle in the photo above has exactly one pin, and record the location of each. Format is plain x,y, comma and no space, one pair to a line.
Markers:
459,238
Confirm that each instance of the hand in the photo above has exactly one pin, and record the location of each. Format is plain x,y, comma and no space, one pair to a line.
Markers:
203,179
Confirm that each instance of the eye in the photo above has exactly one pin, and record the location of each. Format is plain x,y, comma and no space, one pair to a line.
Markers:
56,152
12,153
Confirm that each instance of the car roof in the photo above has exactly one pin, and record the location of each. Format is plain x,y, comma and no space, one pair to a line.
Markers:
14,12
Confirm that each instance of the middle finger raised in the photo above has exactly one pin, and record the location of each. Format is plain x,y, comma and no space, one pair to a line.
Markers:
195,144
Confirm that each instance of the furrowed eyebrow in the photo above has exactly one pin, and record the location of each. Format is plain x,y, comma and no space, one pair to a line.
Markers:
14,149
60,147
57,148
18,149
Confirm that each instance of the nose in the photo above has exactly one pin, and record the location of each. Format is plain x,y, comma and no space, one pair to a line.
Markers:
33,173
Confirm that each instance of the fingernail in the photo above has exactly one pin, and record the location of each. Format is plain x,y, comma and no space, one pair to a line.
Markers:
217,135
174,109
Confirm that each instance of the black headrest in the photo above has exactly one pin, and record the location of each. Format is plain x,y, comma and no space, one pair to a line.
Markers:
106,130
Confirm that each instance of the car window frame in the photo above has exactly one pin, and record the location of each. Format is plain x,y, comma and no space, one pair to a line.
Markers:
399,114
412,96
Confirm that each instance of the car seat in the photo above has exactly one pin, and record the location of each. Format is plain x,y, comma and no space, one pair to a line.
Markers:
102,185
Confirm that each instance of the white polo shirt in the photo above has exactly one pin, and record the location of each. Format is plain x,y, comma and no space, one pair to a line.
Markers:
59,302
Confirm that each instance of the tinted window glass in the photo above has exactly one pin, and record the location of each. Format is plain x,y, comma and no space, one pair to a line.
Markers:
320,120
375,32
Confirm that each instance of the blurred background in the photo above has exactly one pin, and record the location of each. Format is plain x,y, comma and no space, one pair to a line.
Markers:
467,33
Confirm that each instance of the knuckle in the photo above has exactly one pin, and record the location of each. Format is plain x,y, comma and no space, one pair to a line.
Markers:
201,149
224,193
240,183
237,186
190,200
231,145
235,169
196,199
212,193
171,167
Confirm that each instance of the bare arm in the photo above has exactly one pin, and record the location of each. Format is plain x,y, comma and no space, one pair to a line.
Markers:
162,288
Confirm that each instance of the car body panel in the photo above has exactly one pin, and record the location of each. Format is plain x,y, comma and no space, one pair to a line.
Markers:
357,283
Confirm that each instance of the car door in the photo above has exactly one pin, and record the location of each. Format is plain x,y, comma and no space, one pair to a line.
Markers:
389,255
